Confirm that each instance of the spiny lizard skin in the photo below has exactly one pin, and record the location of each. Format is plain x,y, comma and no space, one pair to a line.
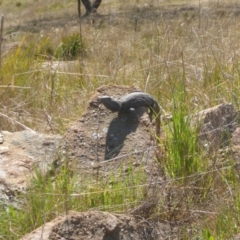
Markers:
133,100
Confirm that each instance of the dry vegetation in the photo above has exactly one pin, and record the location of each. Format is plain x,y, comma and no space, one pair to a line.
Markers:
164,47
150,45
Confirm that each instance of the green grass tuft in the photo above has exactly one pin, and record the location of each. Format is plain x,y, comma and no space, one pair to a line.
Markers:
183,153
52,195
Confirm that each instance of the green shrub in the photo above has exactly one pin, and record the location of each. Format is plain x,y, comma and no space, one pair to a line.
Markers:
70,48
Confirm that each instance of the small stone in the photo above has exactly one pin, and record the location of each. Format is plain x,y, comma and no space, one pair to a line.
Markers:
105,130
4,150
95,135
136,164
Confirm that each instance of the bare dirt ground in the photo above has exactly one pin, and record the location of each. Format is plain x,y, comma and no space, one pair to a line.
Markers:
102,141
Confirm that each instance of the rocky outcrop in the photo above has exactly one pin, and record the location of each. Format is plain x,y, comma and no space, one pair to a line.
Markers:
101,141
20,154
97,225
216,126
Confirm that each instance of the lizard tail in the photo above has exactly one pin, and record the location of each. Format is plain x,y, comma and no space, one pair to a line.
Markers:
158,121
158,126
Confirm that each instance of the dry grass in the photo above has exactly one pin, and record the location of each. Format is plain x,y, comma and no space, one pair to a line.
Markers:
151,45
160,46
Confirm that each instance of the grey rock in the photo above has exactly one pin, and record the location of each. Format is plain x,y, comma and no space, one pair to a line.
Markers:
98,225
216,125
20,153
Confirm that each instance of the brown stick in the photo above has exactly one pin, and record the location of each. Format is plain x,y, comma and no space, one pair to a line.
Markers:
79,9
1,34
80,26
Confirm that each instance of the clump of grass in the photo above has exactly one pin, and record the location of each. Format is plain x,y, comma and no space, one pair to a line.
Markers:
45,49
70,48
25,78
183,153
18,4
224,223
49,196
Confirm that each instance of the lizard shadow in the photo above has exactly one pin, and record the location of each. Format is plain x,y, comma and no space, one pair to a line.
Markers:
119,128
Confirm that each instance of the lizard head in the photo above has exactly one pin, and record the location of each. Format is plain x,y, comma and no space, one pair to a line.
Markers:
110,103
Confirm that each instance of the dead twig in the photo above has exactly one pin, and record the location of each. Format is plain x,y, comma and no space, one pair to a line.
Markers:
1,37
15,121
